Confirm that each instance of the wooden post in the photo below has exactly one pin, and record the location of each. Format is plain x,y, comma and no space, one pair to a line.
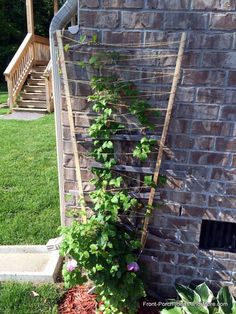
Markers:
164,135
55,6
10,93
30,16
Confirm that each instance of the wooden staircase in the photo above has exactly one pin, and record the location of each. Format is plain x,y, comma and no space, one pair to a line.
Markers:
29,76
33,95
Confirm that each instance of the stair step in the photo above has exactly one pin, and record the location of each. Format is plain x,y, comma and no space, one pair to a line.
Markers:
33,82
38,69
39,110
33,96
36,75
34,89
32,104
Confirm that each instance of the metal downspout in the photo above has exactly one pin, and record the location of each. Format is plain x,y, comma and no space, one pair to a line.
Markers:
59,21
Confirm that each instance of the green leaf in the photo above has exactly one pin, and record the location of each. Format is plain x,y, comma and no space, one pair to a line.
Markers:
82,39
190,296
205,293
173,310
225,300
94,39
93,247
148,180
186,294
92,60
82,64
66,47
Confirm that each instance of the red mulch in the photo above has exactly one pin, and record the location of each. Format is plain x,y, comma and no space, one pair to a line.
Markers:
78,301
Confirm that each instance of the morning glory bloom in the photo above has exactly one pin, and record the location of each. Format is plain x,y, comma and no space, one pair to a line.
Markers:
133,267
71,265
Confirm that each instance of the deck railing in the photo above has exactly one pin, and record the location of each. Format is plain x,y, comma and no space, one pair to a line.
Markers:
33,50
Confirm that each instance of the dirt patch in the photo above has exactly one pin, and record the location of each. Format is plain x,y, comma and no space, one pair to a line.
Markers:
78,301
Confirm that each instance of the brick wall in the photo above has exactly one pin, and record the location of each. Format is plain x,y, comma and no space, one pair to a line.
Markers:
201,136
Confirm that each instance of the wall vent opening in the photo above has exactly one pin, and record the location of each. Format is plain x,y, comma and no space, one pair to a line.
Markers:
218,235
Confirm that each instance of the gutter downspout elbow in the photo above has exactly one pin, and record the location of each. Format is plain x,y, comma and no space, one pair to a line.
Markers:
59,21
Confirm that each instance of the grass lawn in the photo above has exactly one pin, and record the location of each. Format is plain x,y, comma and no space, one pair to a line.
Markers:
29,200
3,97
19,298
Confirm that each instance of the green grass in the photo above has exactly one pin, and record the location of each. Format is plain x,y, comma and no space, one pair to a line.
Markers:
29,200
18,298
3,97
4,110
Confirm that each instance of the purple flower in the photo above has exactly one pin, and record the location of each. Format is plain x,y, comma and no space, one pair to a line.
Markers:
71,265
133,267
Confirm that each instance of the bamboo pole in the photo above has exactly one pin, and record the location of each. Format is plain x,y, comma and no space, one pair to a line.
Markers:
71,123
164,135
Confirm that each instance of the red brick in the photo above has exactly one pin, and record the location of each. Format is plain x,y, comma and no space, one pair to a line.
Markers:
99,19
205,262
230,97
186,271
210,95
203,112
228,113
129,4
206,5
209,158
223,144
210,41
223,174
234,161
212,5
190,59
185,94
187,198
222,201
186,20
228,5
219,60
179,126
231,188
212,128
169,269
151,4
188,260
204,143
89,4
232,78
122,37
199,212
228,215
195,77
183,141
172,5
223,21
221,275
141,20
215,187
170,39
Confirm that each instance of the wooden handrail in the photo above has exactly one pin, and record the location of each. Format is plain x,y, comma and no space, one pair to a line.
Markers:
21,51
48,69
41,40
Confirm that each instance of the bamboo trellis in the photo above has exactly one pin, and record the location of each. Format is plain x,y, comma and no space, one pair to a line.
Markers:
161,139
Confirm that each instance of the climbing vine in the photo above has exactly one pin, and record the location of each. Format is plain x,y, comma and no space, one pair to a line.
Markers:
105,250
